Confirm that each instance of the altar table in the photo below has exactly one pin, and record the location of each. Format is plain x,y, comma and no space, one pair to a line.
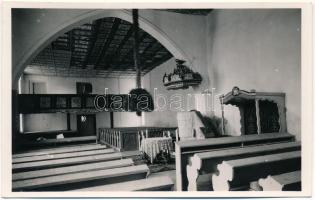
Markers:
153,146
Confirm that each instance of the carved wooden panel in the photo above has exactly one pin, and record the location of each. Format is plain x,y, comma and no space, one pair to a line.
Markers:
130,141
269,117
250,120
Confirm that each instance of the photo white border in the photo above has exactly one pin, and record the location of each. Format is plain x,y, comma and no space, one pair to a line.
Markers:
306,90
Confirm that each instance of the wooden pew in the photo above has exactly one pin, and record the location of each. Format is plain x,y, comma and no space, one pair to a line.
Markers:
235,174
63,155
83,179
206,162
185,149
67,149
19,167
71,169
163,183
63,141
290,181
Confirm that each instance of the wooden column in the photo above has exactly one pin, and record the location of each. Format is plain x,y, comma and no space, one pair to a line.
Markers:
136,47
111,117
68,122
257,116
222,115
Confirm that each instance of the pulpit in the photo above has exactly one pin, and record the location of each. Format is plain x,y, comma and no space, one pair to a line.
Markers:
261,112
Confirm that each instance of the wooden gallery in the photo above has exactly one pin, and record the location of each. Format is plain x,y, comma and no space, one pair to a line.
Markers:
156,100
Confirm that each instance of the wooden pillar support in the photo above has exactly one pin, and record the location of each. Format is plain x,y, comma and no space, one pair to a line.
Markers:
68,122
238,173
111,117
257,116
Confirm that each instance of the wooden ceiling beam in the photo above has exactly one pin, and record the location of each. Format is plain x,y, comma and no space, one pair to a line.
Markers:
108,41
105,47
92,42
71,45
121,45
142,55
142,37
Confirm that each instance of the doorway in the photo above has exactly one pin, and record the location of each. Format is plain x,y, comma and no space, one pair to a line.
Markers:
86,125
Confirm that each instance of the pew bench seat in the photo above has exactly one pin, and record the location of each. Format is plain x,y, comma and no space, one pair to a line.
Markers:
240,172
60,156
82,179
185,149
63,141
58,150
163,183
290,181
206,162
46,164
72,169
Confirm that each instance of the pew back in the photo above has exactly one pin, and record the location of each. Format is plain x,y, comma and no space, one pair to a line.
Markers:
185,149
206,162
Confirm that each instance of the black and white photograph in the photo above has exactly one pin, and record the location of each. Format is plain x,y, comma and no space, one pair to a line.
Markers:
203,100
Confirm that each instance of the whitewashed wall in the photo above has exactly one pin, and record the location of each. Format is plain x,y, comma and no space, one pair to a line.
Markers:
66,85
256,49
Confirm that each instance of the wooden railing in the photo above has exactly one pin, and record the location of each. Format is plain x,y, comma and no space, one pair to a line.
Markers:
110,137
129,138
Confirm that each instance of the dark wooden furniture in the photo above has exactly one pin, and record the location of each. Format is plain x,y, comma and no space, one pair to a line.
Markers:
74,180
163,183
62,155
129,138
85,167
261,112
73,103
237,174
205,163
33,135
70,169
290,181
63,162
186,149
58,150
58,142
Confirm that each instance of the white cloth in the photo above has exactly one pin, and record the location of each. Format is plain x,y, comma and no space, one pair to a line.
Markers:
153,146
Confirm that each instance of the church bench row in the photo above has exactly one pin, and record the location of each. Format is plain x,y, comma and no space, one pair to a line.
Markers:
163,183
62,141
63,155
235,174
290,181
33,135
57,150
72,169
19,167
82,179
206,162
185,149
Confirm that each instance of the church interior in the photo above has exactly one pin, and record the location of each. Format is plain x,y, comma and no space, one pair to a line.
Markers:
156,100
